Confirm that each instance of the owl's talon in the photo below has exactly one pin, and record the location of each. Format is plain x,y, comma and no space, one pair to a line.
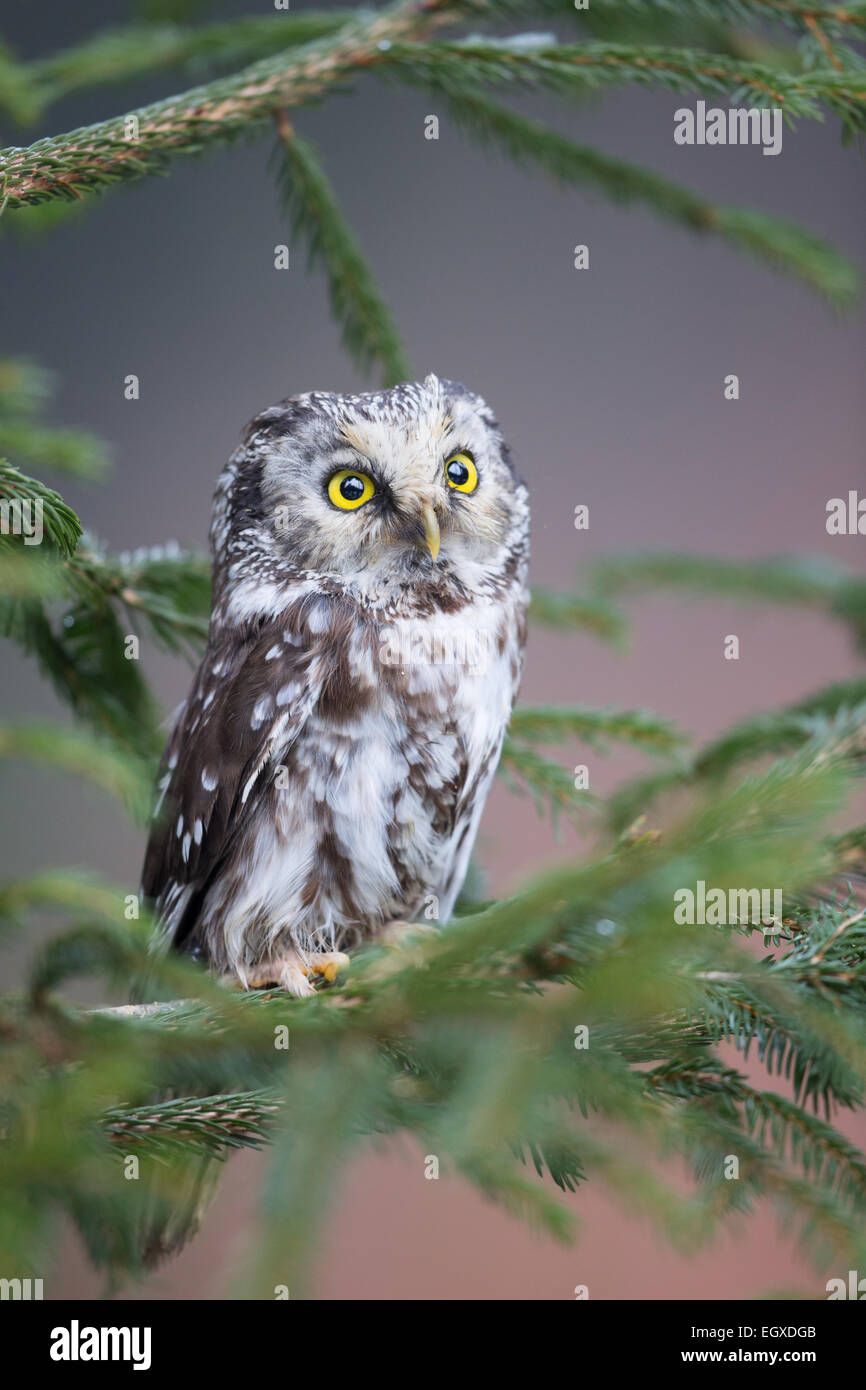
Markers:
290,972
286,972
327,963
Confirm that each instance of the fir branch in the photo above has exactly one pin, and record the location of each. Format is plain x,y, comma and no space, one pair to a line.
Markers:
71,890
133,51
829,721
793,1033
597,727
209,1125
166,586
93,157
89,159
528,142
777,731
25,389
65,451
597,66
82,648
550,785
315,216
473,1095
82,653
591,612
840,19
497,1181
778,1124
813,582
31,512
78,752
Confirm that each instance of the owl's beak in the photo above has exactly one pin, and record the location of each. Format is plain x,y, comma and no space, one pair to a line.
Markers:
432,537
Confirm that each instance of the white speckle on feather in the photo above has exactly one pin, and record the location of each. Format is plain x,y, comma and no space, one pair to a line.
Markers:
261,709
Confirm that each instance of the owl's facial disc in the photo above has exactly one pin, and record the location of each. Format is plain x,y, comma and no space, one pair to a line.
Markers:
386,490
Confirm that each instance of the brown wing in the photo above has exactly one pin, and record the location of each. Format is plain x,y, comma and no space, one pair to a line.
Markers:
251,698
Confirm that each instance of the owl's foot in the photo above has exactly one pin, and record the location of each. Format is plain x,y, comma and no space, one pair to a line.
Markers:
291,971
327,963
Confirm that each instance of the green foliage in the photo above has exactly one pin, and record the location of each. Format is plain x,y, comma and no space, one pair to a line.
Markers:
457,1041
803,581
590,612
315,217
570,1032
25,390
138,50
577,69
720,50
31,512
529,143
831,719
78,752
596,727
550,785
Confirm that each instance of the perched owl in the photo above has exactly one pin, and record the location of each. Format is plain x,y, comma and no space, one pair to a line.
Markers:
325,779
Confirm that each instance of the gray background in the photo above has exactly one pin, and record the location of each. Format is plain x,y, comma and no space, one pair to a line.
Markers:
607,382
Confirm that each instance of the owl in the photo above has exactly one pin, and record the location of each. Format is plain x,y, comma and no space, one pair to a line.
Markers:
324,781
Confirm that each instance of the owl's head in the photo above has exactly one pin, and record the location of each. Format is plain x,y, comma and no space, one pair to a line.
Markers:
379,494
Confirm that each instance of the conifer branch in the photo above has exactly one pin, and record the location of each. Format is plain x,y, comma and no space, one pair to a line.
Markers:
136,50
211,1125
803,581
595,66
830,721
597,727
589,612
529,143
841,18
315,216
78,752
25,388
93,157
32,512
550,785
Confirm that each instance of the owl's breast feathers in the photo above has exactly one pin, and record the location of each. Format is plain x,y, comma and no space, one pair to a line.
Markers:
328,772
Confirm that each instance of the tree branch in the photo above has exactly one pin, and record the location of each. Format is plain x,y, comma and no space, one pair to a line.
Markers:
83,160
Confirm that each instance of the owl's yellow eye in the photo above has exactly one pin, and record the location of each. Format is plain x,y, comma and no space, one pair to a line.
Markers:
349,489
461,473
